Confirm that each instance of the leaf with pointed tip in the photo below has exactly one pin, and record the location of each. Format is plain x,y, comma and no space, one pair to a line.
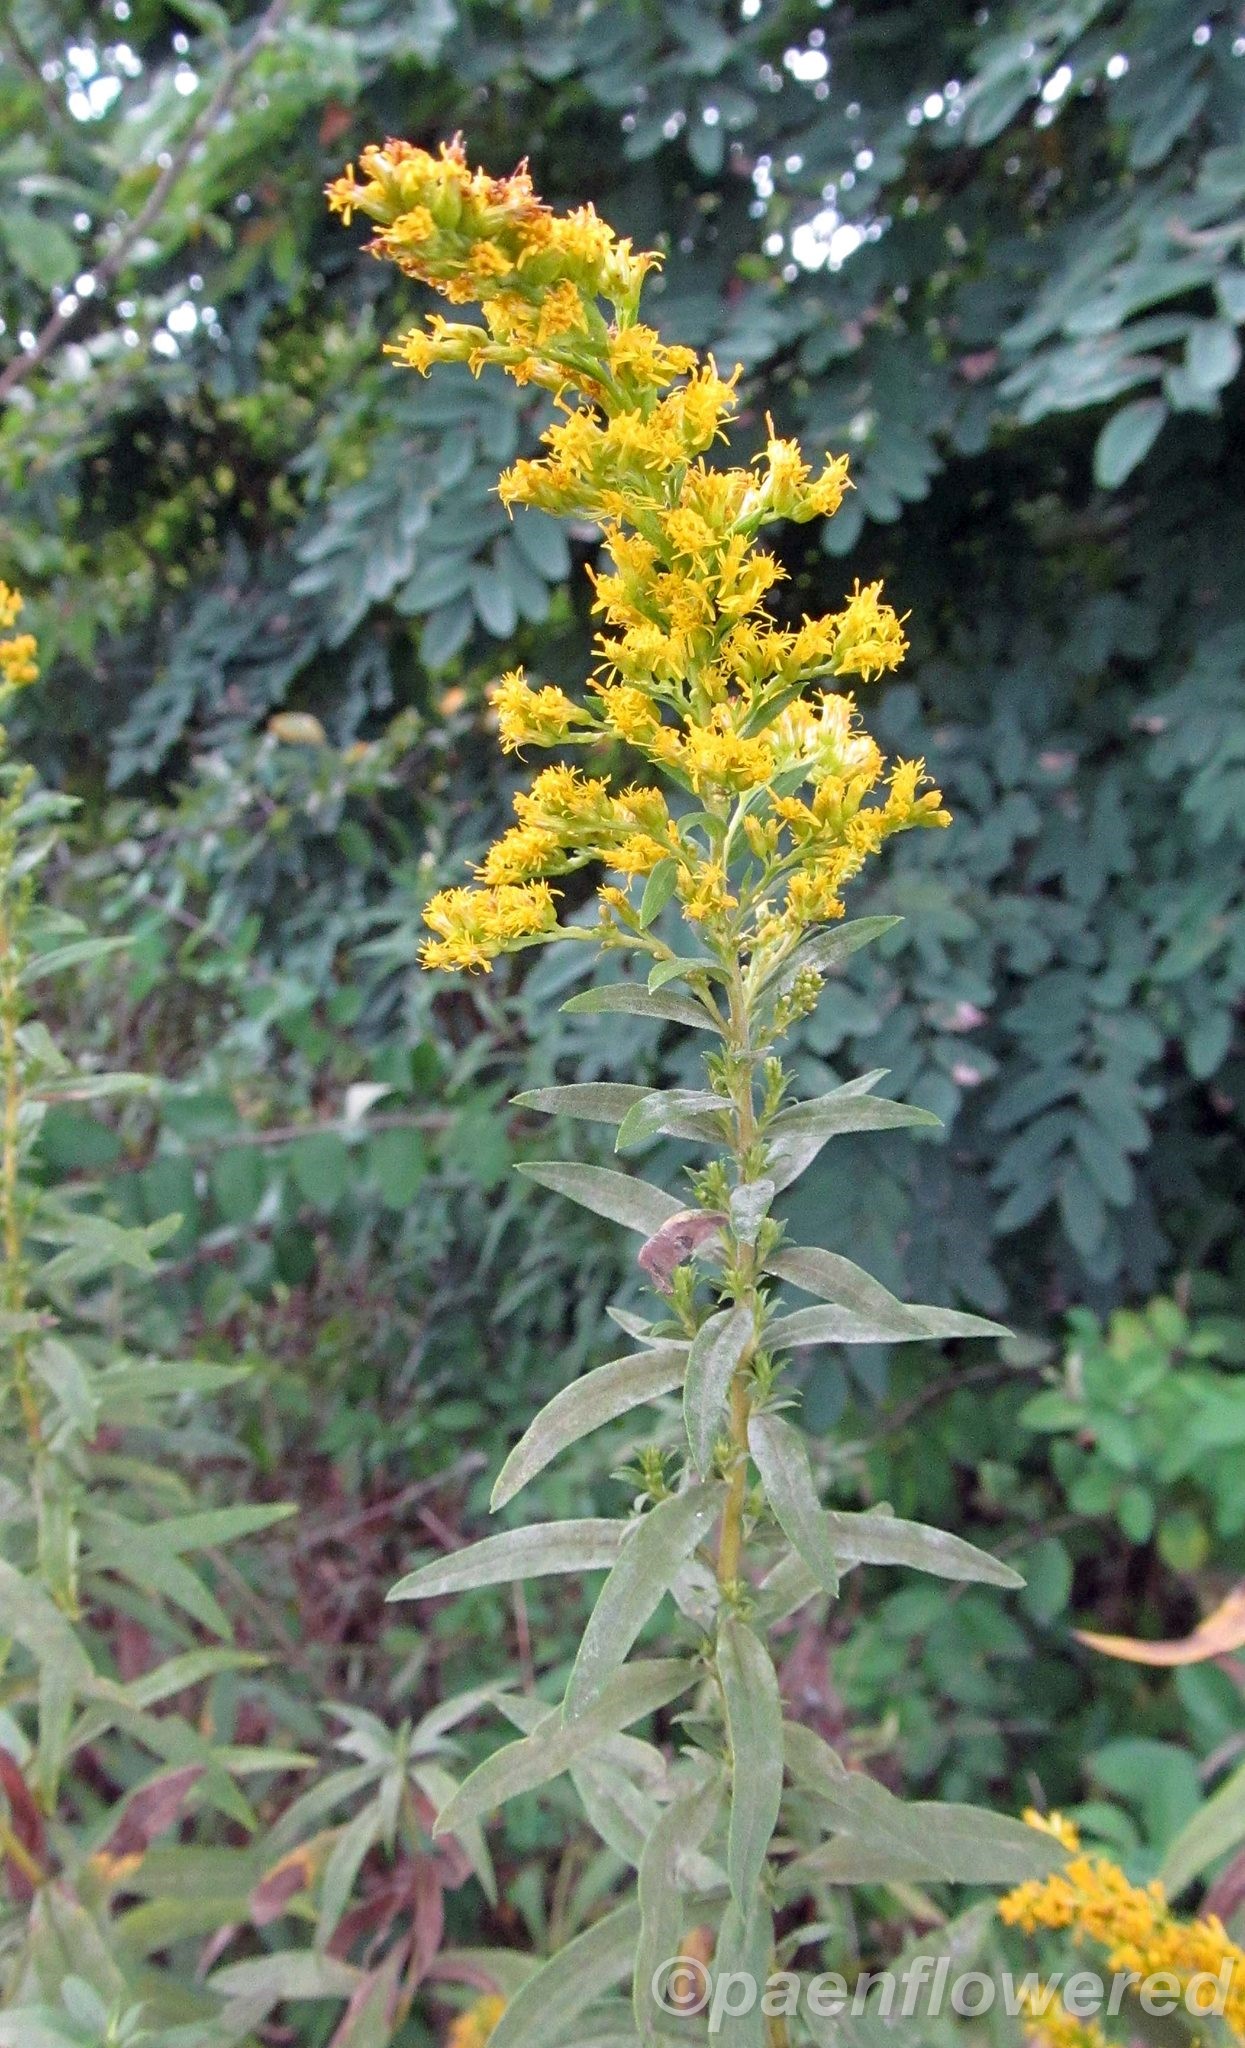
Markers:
628,999
594,1102
658,890
636,1204
829,949
683,1826
683,969
582,1546
655,1548
781,1459
754,1729
796,1138
551,1999
588,1404
881,1839
672,1112
884,1539
555,1744
829,1115
717,1350
868,1304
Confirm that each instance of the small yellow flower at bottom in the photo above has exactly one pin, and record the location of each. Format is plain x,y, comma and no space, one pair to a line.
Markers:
473,2028
18,666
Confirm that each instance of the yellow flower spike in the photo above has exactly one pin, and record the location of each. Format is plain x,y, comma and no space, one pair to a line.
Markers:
694,674
1093,1900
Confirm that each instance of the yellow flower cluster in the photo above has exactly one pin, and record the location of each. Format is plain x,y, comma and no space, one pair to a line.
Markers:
1050,2022
472,2028
17,650
785,798
1092,1899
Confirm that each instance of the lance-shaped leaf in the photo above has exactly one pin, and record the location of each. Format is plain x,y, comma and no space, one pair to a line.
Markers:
581,1546
830,1324
827,950
717,1350
636,1204
797,1135
622,996
547,2004
1214,1830
673,1113
745,1951
622,1812
884,1539
881,1839
782,1461
587,1404
655,1548
845,1286
594,1102
555,1743
682,1828
754,1729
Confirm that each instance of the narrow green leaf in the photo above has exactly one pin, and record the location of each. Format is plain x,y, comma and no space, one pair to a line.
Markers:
674,1112
682,968
829,949
745,1949
881,1839
551,1547
555,1744
782,1461
439,1788
828,1115
1216,1828
595,1102
547,2004
653,1552
286,1973
636,1204
754,1729
833,1325
836,1280
683,1826
343,1867
884,1539
717,1349
587,1404
658,890
632,1001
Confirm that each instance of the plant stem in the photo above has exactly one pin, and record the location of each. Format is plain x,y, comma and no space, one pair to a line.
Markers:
740,1055
14,1290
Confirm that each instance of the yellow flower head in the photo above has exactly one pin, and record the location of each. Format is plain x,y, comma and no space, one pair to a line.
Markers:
695,675
18,666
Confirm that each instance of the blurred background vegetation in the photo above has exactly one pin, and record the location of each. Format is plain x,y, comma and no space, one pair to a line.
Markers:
997,254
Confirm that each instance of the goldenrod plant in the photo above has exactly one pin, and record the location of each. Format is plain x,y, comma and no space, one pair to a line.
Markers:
731,795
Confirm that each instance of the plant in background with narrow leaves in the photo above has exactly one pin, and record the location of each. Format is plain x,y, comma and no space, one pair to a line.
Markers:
753,797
